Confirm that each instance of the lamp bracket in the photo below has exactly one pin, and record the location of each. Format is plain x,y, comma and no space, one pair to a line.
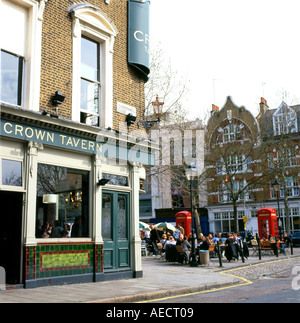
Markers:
147,124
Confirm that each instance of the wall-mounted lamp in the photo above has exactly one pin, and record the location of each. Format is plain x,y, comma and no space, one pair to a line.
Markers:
103,181
157,107
58,98
130,119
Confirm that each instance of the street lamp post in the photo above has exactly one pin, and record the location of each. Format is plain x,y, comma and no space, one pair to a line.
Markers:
276,186
191,173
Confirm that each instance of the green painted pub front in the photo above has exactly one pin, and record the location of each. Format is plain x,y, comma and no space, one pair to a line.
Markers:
61,224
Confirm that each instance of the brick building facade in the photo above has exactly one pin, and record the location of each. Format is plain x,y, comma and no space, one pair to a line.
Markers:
242,163
57,53
67,89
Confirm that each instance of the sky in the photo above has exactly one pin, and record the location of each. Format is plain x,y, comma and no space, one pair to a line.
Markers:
246,49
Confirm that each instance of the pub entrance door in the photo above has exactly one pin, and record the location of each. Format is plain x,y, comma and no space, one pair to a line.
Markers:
115,231
10,235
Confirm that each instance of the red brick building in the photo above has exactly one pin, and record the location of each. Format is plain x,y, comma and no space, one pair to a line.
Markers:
244,155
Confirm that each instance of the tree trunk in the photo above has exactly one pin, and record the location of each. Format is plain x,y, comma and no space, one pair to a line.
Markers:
286,206
197,219
235,217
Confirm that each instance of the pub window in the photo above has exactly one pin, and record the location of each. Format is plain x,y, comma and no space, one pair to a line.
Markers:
90,82
62,202
21,33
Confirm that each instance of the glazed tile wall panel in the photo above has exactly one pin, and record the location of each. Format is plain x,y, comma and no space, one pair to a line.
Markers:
46,261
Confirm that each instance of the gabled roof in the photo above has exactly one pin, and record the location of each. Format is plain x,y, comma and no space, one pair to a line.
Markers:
266,119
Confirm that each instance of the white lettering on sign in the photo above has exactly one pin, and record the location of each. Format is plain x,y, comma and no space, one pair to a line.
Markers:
141,37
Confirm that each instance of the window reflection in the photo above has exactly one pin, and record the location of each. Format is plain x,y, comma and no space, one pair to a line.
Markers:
62,202
11,172
116,179
90,82
11,78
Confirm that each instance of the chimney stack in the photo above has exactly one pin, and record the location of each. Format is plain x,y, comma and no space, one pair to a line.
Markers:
263,105
214,109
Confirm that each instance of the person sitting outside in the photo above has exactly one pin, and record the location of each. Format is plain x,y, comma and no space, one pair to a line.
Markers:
217,237
286,242
236,237
147,236
186,246
171,241
204,245
170,249
180,240
162,242
163,239
176,234
223,239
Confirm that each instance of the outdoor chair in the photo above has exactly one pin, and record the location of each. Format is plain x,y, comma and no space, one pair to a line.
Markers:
266,248
143,248
159,248
181,255
254,245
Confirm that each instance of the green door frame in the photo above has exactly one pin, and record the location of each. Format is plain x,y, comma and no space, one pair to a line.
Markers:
115,230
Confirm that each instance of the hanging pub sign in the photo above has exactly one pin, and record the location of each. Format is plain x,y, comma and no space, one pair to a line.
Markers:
138,36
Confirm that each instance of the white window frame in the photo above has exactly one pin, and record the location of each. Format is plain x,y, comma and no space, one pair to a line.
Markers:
12,151
32,59
282,117
91,22
64,159
232,132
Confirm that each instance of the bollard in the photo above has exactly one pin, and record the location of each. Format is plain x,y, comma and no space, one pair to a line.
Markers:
292,248
259,246
276,247
241,250
219,253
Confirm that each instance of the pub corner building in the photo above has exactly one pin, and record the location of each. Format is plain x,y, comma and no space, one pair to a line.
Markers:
70,183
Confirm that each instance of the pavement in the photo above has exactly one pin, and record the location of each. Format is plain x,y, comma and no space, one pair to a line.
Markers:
160,279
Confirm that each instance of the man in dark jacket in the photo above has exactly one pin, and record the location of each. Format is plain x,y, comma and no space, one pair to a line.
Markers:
154,238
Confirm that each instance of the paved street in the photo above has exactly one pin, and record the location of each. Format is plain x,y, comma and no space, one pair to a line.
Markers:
161,279
275,288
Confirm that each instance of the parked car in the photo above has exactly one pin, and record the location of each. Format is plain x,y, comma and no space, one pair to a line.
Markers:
296,239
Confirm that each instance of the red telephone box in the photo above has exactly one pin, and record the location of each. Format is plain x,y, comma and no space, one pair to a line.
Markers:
267,223
184,218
